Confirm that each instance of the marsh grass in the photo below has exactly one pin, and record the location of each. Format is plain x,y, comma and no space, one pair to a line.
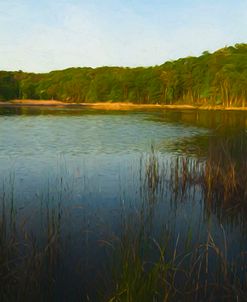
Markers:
27,267
168,267
143,262
175,273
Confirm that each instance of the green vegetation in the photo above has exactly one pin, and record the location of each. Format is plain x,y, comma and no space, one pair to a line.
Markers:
219,78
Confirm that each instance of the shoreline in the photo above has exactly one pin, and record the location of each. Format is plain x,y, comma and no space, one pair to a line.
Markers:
113,106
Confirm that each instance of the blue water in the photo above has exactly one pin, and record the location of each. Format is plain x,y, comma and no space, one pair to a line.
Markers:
93,163
100,148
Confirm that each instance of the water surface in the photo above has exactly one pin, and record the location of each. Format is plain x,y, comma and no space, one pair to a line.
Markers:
93,162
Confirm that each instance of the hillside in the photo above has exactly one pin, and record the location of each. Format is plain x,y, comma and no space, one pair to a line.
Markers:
219,78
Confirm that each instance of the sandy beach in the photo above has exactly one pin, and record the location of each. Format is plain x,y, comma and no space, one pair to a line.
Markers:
112,106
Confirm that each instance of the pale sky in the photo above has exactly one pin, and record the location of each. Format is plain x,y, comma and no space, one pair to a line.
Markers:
45,35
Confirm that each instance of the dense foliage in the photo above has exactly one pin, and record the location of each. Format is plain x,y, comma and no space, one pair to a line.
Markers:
219,78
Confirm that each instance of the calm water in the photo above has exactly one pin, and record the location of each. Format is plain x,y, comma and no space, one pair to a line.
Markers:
97,149
90,162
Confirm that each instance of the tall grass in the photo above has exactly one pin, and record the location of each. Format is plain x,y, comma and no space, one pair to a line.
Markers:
27,267
171,268
147,258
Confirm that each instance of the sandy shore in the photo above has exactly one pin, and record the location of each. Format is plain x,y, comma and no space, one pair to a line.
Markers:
111,106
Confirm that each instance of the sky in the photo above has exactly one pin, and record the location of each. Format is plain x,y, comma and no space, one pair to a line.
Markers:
45,35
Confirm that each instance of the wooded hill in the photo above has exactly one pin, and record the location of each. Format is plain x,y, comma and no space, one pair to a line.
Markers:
219,78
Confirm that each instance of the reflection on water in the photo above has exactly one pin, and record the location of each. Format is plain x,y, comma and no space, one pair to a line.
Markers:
97,169
100,146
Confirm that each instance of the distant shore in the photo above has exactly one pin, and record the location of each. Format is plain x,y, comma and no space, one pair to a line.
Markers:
113,106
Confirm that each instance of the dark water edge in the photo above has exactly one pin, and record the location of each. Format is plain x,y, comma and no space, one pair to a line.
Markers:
171,225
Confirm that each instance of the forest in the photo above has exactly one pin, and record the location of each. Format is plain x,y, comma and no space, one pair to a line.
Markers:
218,78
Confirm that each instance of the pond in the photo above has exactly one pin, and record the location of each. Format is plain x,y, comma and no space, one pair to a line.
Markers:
77,179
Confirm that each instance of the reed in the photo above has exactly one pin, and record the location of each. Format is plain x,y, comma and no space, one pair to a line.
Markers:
27,267
162,269
147,257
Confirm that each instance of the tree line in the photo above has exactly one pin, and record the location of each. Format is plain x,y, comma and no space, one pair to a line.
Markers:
218,78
